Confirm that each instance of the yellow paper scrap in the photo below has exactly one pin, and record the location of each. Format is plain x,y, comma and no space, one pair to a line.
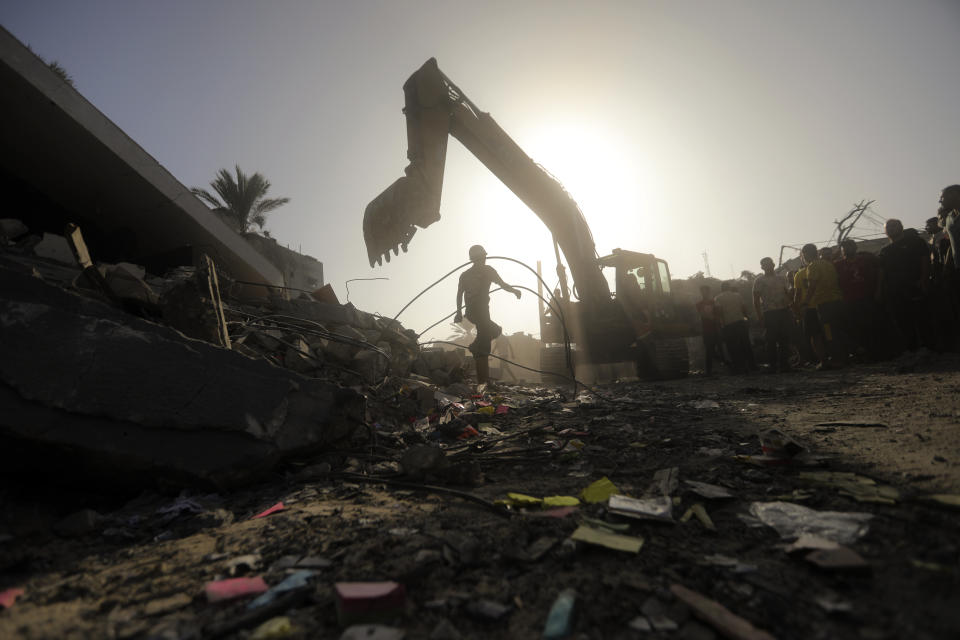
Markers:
560,501
521,500
279,627
599,491
607,539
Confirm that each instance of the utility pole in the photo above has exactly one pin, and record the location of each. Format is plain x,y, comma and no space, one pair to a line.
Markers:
706,265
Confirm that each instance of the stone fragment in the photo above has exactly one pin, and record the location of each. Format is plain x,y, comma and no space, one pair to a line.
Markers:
79,523
11,228
166,605
54,247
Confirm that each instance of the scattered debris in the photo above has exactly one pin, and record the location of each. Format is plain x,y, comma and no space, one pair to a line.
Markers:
279,627
644,508
294,581
708,491
700,513
718,616
233,588
598,491
271,510
560,618
9,596
608,539
839,558
372,632
368,601
792,520
860,488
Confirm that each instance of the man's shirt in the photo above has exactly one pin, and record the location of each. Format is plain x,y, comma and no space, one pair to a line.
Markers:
729,307
475,284
772,291
708,316
823,276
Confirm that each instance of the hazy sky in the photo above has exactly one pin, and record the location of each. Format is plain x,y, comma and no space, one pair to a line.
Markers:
729,128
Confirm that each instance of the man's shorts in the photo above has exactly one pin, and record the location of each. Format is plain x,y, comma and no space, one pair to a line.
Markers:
811,324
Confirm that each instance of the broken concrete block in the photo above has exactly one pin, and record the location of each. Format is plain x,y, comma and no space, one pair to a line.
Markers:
343,351
126,281
300,358
185,309
54,247
371,365
121,396
11,228
269,339
80,523
326,295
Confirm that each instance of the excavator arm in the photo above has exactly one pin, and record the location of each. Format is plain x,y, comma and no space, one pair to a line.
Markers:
435,109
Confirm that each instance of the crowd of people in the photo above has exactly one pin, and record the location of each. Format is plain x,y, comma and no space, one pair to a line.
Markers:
845,304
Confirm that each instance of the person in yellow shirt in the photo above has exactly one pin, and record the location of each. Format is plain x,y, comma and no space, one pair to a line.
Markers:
822,303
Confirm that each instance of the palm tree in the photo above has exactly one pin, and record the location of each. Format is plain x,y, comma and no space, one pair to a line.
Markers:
242,199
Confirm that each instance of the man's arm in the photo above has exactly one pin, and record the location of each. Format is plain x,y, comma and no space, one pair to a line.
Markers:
459,316
504,285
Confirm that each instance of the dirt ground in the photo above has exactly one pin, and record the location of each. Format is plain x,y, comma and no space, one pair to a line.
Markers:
473,570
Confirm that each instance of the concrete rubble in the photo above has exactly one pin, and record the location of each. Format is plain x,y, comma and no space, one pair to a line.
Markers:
139,381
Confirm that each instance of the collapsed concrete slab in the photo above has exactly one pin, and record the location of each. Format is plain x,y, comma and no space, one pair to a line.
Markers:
131,397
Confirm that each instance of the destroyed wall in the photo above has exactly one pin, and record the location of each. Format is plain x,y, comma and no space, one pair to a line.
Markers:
65,161
299,270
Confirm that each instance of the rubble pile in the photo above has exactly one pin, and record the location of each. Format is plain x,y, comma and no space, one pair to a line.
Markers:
116,369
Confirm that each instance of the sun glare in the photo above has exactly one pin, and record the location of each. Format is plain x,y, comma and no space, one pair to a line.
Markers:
612,183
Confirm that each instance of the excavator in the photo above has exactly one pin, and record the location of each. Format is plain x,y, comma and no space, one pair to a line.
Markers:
585,322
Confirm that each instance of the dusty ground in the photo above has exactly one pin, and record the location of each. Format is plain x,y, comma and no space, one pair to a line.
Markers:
140,572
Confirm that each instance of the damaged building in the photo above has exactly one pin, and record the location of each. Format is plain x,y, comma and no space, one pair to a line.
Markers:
132,317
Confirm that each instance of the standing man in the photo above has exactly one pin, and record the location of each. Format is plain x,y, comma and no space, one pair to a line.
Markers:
474,289
857,275
949,215
707,310
905,266
822,304
732,314
772,304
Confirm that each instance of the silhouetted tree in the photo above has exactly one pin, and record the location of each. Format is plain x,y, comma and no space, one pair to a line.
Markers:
242,198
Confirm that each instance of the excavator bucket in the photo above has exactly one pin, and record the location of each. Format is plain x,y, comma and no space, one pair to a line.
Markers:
392,218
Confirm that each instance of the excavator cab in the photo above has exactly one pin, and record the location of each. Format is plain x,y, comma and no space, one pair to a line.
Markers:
642,288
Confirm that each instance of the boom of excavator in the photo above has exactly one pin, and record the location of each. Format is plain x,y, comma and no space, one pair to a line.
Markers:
637,323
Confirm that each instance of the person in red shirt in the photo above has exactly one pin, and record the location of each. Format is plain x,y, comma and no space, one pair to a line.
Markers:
858,275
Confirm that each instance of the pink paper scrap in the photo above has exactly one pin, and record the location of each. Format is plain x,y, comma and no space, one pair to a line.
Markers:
8,597
234,588
277,507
